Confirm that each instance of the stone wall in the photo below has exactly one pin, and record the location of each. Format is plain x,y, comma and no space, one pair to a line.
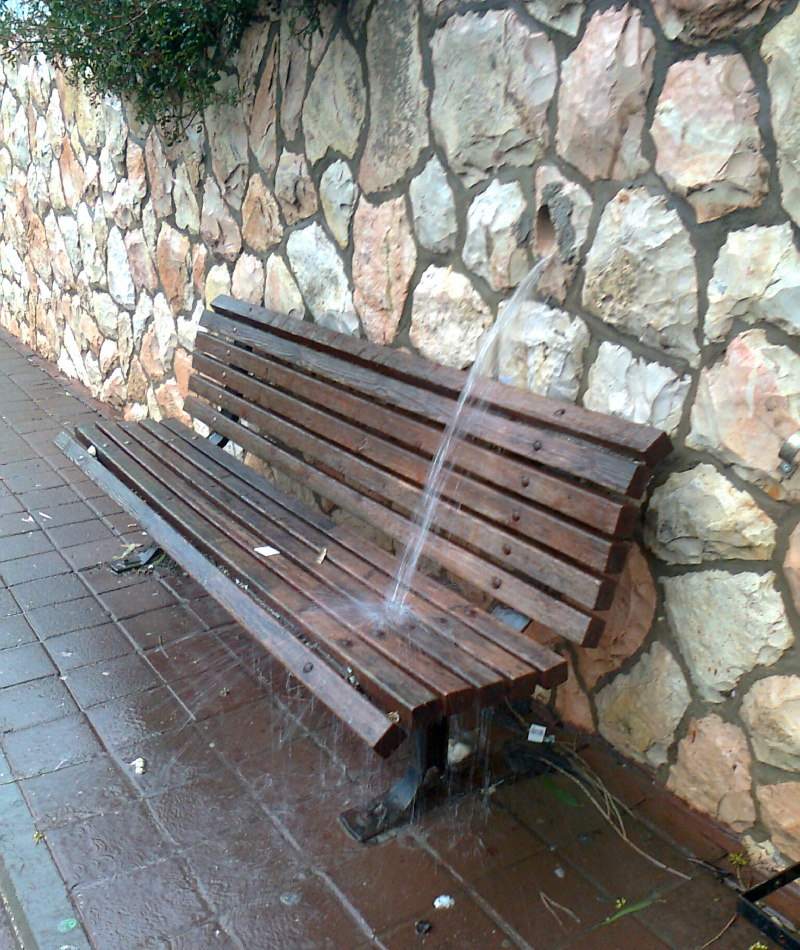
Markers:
396,177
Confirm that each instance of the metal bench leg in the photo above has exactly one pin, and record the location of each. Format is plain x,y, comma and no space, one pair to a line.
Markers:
397,806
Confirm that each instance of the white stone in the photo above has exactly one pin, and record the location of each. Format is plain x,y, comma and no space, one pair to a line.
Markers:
563,15
142,316
218,283
294,187
633,389
227,138
106,314
218,228
641,275
756,278
494,78
322,280
498,232
434,208
247,283
771,711
726,625
336,103
698,516
120,281
639,711
542,351
338,194
281,293
448,317
781,52
187,211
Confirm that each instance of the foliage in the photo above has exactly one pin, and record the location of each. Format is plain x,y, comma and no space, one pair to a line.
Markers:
165,56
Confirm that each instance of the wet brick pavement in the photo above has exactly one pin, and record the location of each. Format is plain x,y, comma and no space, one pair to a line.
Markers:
228,838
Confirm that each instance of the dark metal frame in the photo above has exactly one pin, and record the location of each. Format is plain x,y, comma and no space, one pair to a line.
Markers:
760,918
408,795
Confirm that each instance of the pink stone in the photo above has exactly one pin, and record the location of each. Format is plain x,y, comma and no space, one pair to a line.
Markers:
247,283
218,228
701,21
170,402
182,369
747,407
294,188
261,221
572,704
628,622
199,261
603,96
705,129
173,267
151,356
141,263
135,163
780,810
712,773
791,566
72,177
137,381
384,258
90,333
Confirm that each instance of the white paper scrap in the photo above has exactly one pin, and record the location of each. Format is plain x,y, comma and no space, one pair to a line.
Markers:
266,551
537,733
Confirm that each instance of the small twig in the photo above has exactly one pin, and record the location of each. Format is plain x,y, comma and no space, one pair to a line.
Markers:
722,933
551,905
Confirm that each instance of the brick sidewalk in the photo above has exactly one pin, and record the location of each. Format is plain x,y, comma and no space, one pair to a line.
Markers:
228,838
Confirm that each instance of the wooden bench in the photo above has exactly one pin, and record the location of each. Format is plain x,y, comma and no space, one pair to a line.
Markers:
537,510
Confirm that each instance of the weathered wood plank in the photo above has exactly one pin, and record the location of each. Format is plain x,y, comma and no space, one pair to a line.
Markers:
355,710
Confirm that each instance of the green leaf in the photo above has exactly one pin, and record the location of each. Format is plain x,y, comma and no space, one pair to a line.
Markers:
561,794
627,909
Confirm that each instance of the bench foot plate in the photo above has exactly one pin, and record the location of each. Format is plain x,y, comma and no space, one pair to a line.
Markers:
402,801
136,560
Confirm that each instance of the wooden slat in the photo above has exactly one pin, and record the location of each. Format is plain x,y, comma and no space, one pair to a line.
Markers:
367,556
504,549
568,621
551,449
471,645
355,710
459,679
382,680
379,443
644,442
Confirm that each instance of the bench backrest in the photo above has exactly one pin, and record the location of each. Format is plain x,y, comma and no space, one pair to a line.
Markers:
541,494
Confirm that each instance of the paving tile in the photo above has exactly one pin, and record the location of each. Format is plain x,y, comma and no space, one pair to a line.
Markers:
82,647
104,505
37,566
209,936
102,579
244,868
176,757
9,505
76,792
15,631
24,545
291,772
94,553
50,746
157,627
416,880
17,522
183,585
64,618
209,692
42,499
552,806
135,717
516,894
100,846
131,601
251,730
475,839
211,613
48,590
109,679
8,606
73,535
200,652
152,902
624,934
23,663
314,823
29,475
309,917
74,513
29,704
706,906
463,925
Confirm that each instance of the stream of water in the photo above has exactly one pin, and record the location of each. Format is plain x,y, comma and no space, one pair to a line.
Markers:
394,607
